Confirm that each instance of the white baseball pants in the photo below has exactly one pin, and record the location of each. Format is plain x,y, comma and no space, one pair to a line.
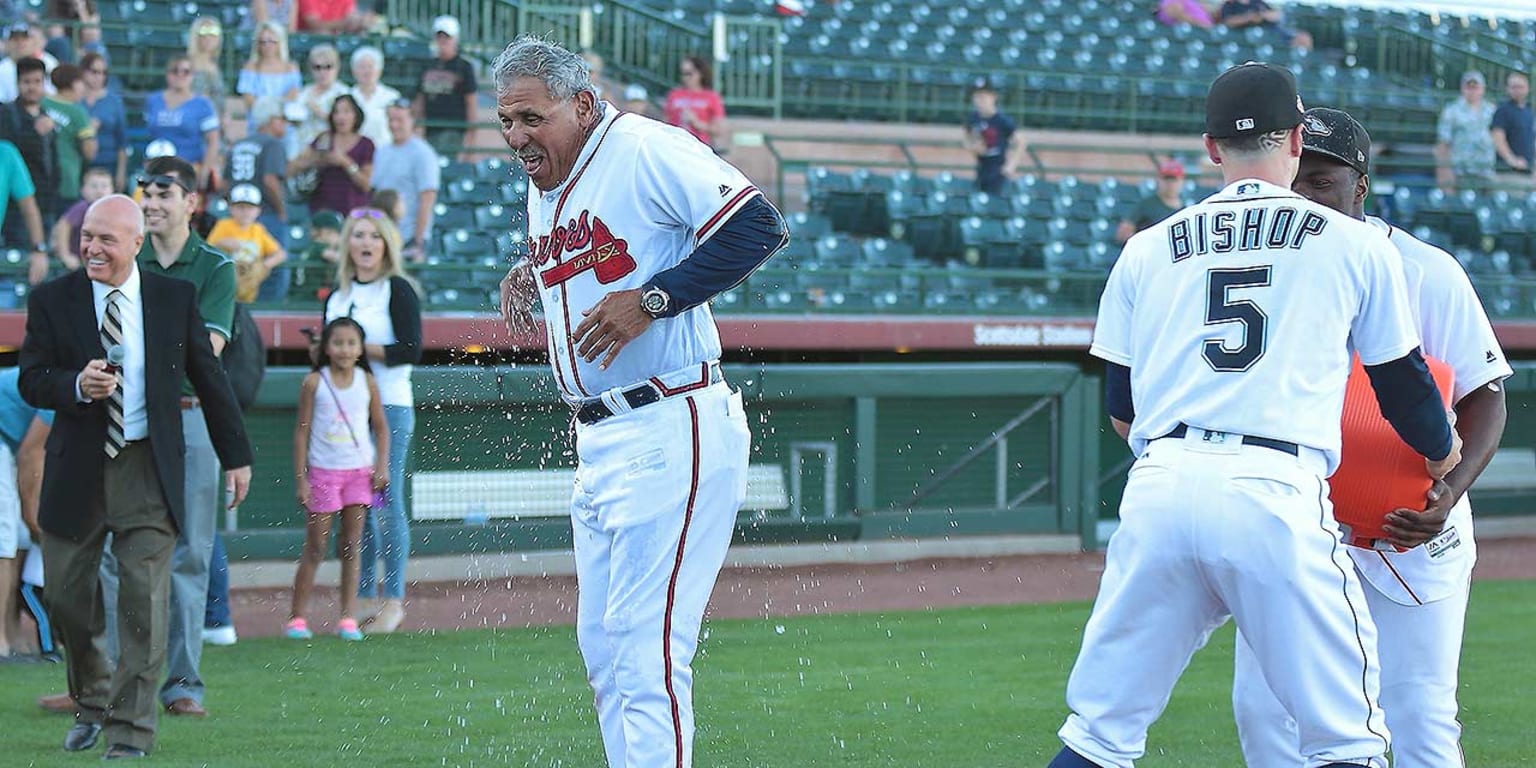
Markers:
1420,647
655,503
1209,528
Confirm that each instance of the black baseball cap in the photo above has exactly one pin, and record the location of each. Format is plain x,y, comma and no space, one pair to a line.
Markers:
1334,133
981,84
1251,100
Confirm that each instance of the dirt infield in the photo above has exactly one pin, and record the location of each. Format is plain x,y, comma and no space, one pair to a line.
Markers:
527,601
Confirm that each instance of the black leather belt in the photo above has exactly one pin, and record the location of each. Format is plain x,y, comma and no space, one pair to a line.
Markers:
640,396
1262,442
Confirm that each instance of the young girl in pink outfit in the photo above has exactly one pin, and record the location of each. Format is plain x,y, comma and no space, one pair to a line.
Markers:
340,461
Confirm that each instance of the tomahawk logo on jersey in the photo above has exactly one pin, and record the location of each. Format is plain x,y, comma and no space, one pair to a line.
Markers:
594,248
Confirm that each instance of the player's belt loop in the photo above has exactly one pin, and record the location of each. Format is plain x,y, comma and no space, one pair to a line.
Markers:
638,396
1263,442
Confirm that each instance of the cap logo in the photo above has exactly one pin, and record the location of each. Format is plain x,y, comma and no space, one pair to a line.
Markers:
1245,124
1359,156
1314,125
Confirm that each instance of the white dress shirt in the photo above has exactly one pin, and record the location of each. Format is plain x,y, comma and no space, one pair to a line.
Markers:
131,379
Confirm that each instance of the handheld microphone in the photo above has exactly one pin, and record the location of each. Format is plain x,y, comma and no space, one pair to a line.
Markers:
115,357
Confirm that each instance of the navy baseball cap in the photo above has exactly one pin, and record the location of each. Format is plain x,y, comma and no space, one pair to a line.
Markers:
1334,133
1251,100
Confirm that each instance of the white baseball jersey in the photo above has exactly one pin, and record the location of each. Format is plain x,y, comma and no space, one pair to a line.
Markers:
1455,330
1286,285
642,196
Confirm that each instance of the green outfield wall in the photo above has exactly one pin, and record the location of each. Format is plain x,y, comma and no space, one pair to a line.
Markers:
840,453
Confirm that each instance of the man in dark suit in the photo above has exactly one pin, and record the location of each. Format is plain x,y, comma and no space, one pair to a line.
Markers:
115,461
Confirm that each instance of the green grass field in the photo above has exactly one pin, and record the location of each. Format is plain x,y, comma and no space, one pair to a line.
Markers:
961,687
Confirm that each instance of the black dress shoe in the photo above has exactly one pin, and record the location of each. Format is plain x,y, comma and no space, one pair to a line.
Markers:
123,752
81,736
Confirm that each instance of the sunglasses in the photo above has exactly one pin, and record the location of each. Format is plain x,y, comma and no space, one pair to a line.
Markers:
179,71
366,213
322,66
163,180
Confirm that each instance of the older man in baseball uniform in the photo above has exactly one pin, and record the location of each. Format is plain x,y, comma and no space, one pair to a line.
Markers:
1417,597
633,227
1226,330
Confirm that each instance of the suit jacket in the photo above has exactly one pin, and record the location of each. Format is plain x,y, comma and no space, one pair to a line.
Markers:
62,336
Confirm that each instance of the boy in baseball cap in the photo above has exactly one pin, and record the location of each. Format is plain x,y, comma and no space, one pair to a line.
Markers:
245,240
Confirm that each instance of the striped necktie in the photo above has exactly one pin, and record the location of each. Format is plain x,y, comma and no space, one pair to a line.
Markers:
112,336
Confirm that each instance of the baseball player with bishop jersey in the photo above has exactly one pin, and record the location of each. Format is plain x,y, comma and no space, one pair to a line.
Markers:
1226,330
1418,597
633,227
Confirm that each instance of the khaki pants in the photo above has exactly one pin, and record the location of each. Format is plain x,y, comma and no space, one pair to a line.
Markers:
132,508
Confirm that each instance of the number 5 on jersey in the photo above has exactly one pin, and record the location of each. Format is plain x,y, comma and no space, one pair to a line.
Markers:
1221,308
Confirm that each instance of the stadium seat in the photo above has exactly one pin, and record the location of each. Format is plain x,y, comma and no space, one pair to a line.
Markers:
837,250
808,225
491,217
465,190
464,246
878,251
447,217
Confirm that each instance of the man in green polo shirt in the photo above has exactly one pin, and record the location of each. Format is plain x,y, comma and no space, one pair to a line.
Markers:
76,137
173,249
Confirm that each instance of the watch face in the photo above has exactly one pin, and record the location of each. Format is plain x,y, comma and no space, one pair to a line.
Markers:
653,301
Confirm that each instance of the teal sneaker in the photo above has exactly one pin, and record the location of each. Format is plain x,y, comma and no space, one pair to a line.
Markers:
347,630
297,629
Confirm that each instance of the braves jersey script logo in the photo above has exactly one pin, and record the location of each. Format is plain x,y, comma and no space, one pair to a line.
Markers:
595,249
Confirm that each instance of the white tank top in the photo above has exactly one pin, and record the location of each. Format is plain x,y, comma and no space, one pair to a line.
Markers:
339,436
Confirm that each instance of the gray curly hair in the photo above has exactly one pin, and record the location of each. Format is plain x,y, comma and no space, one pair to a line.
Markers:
564,73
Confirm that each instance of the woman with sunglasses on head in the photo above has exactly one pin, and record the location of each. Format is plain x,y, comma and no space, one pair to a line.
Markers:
373,289
268,72
323,88
205,40
185,119
105,105
341,158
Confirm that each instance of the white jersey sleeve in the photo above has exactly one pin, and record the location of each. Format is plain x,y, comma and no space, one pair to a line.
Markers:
1112,331
1384,328
1451,320
685,184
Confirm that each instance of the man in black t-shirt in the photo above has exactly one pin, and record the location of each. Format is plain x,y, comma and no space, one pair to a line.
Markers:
445,93
1156,207
993,138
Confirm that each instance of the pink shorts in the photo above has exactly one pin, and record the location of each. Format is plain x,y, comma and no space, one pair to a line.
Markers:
332,489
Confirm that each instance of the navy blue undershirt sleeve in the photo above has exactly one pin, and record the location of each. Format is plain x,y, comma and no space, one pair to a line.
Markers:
1117,392
741,245
1411,404
405,316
